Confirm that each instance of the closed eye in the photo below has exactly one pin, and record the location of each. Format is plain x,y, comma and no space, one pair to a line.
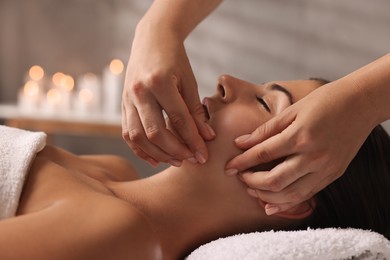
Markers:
262,102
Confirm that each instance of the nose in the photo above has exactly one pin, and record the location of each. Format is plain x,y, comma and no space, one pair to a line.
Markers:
225,88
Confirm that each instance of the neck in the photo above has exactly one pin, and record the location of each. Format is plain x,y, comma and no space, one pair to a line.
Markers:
194,204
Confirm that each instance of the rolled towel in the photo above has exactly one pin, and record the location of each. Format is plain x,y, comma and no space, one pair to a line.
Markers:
18,149
327,243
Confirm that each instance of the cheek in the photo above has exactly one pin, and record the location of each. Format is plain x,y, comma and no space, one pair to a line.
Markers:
236,121
230,123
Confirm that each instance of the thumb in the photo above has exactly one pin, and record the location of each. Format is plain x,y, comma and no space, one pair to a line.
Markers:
200,117
270,128
191,96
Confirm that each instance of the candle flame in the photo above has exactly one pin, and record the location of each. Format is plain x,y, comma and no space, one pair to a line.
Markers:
54,96
57,78
116,66
36,72
86,95
31,88
69,83
65,82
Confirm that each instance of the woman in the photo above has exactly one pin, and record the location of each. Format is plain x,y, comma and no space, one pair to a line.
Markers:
160,76
92,207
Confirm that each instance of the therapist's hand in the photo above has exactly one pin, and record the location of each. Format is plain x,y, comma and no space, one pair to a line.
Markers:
318,137
159,77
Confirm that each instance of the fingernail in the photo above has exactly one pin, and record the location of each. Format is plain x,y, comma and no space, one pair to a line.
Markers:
211,131
192,160
252,192
199,156
242,138
153,162
270,210
174,162
231,172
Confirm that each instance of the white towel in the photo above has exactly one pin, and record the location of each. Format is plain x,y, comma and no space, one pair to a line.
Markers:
310,244
18,149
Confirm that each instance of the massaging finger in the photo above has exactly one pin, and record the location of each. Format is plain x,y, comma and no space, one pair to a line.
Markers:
310,194
137,139
139,119
182,121
125,130
305,185
141,154
191,97
125,133
297,192
270,128
149,114
136,150
279,177
276,147
172,129
157,133
126,107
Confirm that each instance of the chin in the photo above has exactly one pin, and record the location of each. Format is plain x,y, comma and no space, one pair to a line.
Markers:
222,149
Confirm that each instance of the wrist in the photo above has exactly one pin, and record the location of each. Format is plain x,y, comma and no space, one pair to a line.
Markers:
370,87
360,101
168,19
176,18
151,27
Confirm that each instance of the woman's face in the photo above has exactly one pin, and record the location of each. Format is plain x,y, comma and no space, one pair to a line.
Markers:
239,107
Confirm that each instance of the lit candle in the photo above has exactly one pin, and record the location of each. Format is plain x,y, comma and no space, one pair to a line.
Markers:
36,73
67,89
54,100
112,87
65,84
88,98
58,78
29,97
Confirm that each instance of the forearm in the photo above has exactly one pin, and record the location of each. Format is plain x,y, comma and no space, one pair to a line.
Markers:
178,17
369,86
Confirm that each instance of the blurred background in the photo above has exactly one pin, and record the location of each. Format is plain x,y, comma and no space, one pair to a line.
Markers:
257,40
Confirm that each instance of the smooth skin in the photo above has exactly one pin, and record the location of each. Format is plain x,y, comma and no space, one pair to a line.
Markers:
318,136
324,130
95,207
159,77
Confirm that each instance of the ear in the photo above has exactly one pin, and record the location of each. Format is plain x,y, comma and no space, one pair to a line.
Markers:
300,211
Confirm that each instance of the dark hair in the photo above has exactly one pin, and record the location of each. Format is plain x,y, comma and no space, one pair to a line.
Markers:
360,198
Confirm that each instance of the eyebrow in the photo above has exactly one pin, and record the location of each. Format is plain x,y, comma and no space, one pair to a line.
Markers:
278,87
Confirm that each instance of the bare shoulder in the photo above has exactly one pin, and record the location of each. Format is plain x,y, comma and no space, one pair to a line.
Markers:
120,168
97,227
97,166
